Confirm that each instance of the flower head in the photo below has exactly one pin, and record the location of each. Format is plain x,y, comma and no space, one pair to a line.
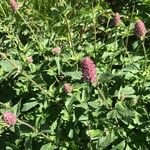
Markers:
88,69
14,5
116,20
3,55
56,50
9,118
67,88
29,59
140,29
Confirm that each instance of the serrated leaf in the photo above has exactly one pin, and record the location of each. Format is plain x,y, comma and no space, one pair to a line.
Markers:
120,146
126,91
27,106
105,141
94,104
16,108
93,133
6,66
48,146
9,66
76,75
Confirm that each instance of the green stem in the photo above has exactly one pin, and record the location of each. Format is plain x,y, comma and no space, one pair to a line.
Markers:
69,34
145,55
115,48
129,28
30,29
94,27
127,40
43,90
145,63
34,129
26,23
26,75
102,95
3,11
28,125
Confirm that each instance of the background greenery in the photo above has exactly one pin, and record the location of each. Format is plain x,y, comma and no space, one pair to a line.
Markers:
112,115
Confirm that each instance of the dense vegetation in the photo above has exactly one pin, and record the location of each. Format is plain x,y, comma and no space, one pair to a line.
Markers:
74,74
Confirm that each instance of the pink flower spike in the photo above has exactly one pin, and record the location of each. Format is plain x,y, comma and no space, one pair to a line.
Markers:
14,5
140,29
89,70
67,88
56,50
9,118
117,19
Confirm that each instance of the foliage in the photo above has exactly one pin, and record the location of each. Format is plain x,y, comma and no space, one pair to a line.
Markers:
111,114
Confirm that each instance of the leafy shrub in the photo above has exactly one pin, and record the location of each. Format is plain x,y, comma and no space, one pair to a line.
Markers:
74,75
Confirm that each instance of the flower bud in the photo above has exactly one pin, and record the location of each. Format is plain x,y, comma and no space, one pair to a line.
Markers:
3,55
88,70
29,59
9,118
116,20
14,5
67,88
56,50
140,29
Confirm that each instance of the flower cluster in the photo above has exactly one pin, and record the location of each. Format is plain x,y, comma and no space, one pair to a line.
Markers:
88,69
14,5
116,20
56,50
9,118
67,88
140,29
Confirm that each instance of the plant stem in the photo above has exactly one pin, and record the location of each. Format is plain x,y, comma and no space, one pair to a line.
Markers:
28,125
43,90
26,75
145,63
69,34
30,29
35,130
3,11
129,28
145,55
94,27
102,94
115,48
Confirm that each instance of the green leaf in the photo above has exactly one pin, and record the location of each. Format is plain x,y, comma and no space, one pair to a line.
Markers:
48,146
126,91
125,114
16,108
94,134
105,141
6,66
57,59
9,66
75,75
27,106
120,146
70,135
94,104
112,114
